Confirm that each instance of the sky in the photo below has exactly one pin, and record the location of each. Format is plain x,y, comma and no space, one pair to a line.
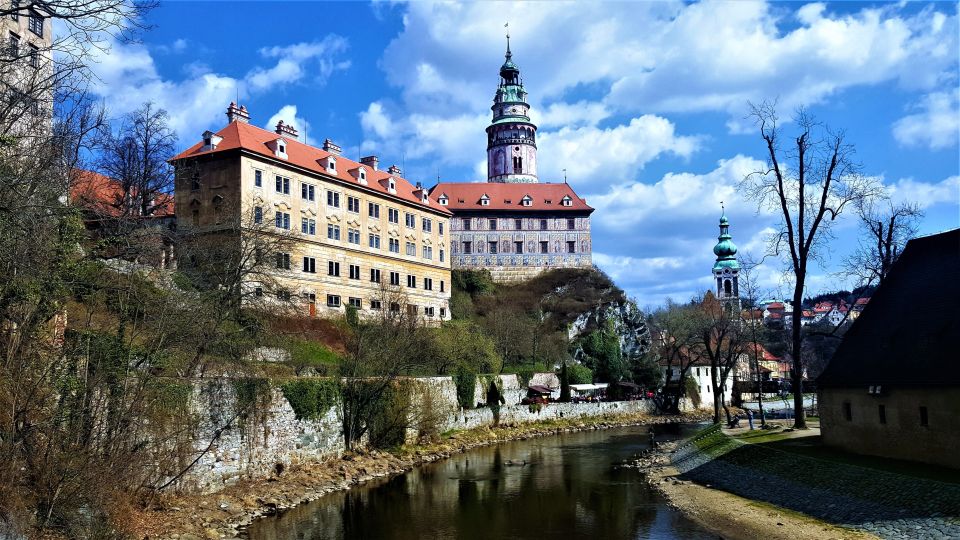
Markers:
644,104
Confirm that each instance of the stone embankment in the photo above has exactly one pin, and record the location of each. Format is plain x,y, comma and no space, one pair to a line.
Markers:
225,513
880,503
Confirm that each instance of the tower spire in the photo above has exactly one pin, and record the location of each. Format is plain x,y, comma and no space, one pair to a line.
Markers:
509,55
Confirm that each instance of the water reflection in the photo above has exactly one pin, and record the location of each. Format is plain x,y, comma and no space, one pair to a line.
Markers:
558,487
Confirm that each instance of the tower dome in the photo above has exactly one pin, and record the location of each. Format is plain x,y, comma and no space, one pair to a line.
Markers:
511,136
725,250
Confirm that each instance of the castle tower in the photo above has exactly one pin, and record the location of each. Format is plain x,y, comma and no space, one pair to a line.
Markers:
726,269
511,136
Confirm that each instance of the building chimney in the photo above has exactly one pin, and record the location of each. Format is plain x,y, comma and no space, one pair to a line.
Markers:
371,161
331,147
237,114
419,185
395,170
286,130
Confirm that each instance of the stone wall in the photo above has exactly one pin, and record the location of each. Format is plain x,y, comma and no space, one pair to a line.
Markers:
901,435
274,438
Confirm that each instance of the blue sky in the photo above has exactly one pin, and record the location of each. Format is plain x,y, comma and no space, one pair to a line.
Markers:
642,103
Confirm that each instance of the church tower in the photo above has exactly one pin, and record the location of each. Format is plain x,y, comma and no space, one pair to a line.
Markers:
511,137
726,269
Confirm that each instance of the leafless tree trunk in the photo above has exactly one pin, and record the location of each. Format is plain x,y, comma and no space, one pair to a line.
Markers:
809,182
886,229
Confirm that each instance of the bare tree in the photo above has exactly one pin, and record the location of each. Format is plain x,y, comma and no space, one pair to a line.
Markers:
750,290
676,343
809,181
886,229
722,340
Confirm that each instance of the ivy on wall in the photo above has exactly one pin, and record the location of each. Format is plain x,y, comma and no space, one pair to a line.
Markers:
311,398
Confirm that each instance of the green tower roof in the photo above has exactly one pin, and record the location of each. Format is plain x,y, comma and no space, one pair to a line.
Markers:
725,250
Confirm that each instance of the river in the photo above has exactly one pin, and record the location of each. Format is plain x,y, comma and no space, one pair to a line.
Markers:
564,486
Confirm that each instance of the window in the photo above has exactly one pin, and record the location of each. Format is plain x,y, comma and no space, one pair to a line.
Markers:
411,249
354,271
441,255
333,232
411,281
283,261
484,201
258,178
443,313
882,410
13,43
543,224
308,192
195,181
492,247
544,247
332,164
427,252
282,220
283,295
428,311
468,247
412,309
283,185
333,268
518,224
355,302
333,199
308,226
36,23
427,284
924,420
441,285
847,412
571,247
353,236
257,214
440,228
466,224
34,56
375,275
14,14
393,215
395,278
394,245
518,247
376,304
493,224
258,291
373,210
333,300
427,224
310,265
571,224
353,204
410,220
394,307
374,241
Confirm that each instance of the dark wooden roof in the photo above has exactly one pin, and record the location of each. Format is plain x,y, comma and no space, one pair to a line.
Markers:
909,333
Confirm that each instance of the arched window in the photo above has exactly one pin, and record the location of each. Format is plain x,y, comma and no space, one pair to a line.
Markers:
727,290
517,164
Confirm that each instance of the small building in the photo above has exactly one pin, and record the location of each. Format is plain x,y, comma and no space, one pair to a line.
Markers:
699,371
893,388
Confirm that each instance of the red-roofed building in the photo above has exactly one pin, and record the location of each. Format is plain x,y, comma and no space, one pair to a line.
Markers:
513,225
354,227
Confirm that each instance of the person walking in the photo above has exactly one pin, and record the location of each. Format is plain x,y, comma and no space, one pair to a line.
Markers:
750,418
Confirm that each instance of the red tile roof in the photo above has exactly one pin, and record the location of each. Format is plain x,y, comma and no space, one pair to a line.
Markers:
104,195
775,305
467,196
862,301
241,135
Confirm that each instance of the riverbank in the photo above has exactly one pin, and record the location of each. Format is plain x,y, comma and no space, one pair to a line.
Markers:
225,513
744,490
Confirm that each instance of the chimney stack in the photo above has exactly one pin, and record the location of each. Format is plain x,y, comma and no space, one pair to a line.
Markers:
371,161
419,185
237,114
395,170
286,130
331,147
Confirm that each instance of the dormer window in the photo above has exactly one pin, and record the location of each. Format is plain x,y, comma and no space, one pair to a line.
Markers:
332,165
526,200
424,198
279,147
443,200
485,201
362,176
210,140
392,185
567,201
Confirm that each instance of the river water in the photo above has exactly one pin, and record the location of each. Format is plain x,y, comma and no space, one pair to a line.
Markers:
564,486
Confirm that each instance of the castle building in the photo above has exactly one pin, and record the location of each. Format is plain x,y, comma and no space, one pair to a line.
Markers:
513,225
27,70
726,268
354,230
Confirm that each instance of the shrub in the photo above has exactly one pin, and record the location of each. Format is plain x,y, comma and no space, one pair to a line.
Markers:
310,398
466,382
311,354
579,373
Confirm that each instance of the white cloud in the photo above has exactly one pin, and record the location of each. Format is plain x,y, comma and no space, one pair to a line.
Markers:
288,113
294,62
935,126
927,194
562,114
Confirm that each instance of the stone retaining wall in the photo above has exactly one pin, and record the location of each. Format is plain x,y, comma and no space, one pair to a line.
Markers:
886,504
256,447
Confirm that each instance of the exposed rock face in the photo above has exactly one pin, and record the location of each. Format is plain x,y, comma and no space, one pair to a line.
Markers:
628,321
